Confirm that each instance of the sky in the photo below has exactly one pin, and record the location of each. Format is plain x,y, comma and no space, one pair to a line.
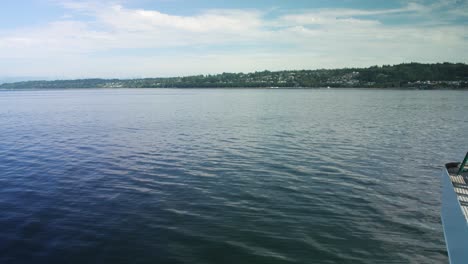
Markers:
57,39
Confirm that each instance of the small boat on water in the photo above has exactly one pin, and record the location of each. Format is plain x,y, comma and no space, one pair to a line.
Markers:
454,211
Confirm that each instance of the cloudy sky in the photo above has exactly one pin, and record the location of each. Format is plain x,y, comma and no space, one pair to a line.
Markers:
149,38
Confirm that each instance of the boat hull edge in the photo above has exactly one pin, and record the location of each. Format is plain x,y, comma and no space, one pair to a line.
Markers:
453,221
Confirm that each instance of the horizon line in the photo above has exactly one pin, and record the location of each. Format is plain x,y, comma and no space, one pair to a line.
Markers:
47,79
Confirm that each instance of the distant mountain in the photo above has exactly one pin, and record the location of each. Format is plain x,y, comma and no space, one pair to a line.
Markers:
407,75
15,79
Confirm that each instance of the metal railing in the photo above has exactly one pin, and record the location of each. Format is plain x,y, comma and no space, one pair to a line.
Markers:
462,165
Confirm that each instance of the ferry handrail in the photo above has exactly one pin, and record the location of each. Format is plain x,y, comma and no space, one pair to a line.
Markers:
462,165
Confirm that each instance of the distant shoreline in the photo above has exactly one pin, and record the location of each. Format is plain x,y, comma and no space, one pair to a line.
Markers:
413,76
237,88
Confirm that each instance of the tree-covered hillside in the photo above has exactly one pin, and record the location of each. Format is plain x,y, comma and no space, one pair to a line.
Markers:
408,75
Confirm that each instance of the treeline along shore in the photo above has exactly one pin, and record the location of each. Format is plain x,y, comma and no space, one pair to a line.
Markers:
406,75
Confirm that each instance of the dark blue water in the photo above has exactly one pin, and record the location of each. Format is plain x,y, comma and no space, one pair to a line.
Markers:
226,176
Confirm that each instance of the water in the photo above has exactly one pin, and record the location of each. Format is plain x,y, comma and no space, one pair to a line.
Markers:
226,176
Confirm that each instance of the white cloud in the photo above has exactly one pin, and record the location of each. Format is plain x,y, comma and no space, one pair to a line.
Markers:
236,21
308,39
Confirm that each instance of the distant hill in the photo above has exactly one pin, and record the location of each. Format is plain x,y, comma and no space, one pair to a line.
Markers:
406,75
15,79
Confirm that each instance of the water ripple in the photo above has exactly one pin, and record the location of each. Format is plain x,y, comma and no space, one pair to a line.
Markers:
225,176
